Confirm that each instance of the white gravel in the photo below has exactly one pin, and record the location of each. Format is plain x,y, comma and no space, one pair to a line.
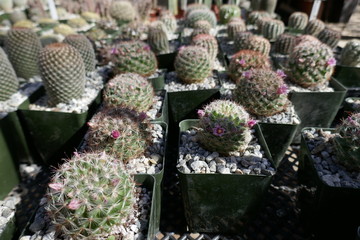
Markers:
173,84
354,102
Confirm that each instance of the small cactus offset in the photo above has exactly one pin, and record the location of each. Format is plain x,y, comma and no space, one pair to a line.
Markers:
169,21
208,42
224,127
311,64
314,27
262,92
234,27
9,83
241,39
193,64
298,21
330,37
350,55
255,15
23,47
86,50
122,12
272,29
158,40
129,90
347,144
245,60
200,14
257,43
84,193
134,56
201,27
227,12
63,73
284,44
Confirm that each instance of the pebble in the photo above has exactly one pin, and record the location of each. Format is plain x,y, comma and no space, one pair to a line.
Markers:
173,84
354,103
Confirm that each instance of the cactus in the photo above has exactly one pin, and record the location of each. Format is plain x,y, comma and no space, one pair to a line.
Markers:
268,6
8,80
284,44
224,127
48,39
122,12
208,42
195,6
260,22
63,73
134,56
17,15
193,64
24,24
234,27
47,23
169,21
347,143
330,37
255,15
90,17
306,38
311,64
262,92
350,55
129,90
6,5
96,34
201,14
298,21
23,46
130,31
314,27
245,60
241,39
257,43
21,3
158,40
85,48
229,11
64,29
88,190
118,132
272,29
201,27
77,22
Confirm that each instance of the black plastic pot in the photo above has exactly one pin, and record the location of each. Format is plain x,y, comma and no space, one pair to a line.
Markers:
159,82
330,212
164,117
350,78
222,203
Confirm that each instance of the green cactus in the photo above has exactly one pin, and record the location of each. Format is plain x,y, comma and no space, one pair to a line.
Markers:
298,21
255,15
311,64
23,47
193,64
63,73
350,55
86,50
158,40
24,24
134,56
234,27
228,11
347,143
195,6
119,132
224,127
241,39
129,90
90,17
64,29
269,6
272,29
169,21
257,43
201,27
201,14
284,44
314,27
262,92
77,22
330,37
122,12
96,34
17,15
90,196
208,42
47,23
245,60
260,22
8,80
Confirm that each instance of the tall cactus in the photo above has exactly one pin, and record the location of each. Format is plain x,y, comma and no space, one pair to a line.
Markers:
330,37
227,12
234,27
284,44
122,11
169,21
298,21
272,29
314,27
158,40
350,55
9,83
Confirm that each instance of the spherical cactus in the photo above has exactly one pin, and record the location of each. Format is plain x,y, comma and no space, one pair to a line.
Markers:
129,90
257,43
90,16
64,29
241,39
193,64
227,12
255,15
48,39
330,37
245,60
63,73
158,40
260,23
119,132
77,22
234,27
262,92
86,50
201,27
47,23
208,42
23,47
298,21
201,14
224,127
272,29
24,24
314,27
134,56
9,83
84,193
350,55
169,21
7,5
284,44
311,64
17,15
96,34
195,6
122,11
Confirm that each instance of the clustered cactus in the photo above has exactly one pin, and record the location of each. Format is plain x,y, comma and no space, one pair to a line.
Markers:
122,11
201,14
227,12
330,37
284,44
298,21
158,40
234,27
272,29
314,27
8,80
350,55
208,42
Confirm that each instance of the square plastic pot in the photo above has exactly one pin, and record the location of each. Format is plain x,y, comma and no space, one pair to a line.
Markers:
349,77
222,203
164,117
166,61
159,82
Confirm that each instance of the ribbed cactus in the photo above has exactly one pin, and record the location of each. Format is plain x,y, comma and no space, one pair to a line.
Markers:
23,47
347,144
201,14
245,60
63,73
314,27
208,42
256,43
122,11
77,22
269,6
298,21
134,56
129,90
64,29
158,40
306,38
119,132
86,50
90,197
350,55
311,64
169,21
330,37
201,27
9,83
224,127
284,44
272,29
234,27
195,6
241,39
193,64
227,12
262,92
255,15
90,16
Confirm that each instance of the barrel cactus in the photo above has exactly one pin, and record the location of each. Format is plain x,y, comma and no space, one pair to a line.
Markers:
193,64
298,21
330,37
8,80
25,24
257,43
91,16
272,29
47,23
228,11
350,55
234,27
64,29
158,40
224,127
77,22
201,14
201,27
314,27
306,38
169,21
63,73
255,15
241,39
284,44
208,42
130,31
260,23
23,47
122,11
195,6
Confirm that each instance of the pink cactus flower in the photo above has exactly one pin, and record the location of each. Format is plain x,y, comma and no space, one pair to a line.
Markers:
74,204
115,134
114,51
247,74
283,89
147,48
241,62
200,113
115,182
301,60
331,62
281,73
251,123
89,124
218,130
56,186
142,116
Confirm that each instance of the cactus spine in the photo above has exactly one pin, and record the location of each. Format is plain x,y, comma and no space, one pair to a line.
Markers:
234,27
227,12
314,27
284,44
208,42
350,55
298,21
272,29
330,37
8,80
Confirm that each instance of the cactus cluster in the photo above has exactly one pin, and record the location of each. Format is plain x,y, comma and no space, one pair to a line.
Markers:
255,15
122,11
330,37
208,42
272,29
201,27
224,127
284,44
90,196
234,27
262,92
350,55
298,21
158,40
256,43
314,27
201,14
193,64
229,11
241,39
9,83
77,22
